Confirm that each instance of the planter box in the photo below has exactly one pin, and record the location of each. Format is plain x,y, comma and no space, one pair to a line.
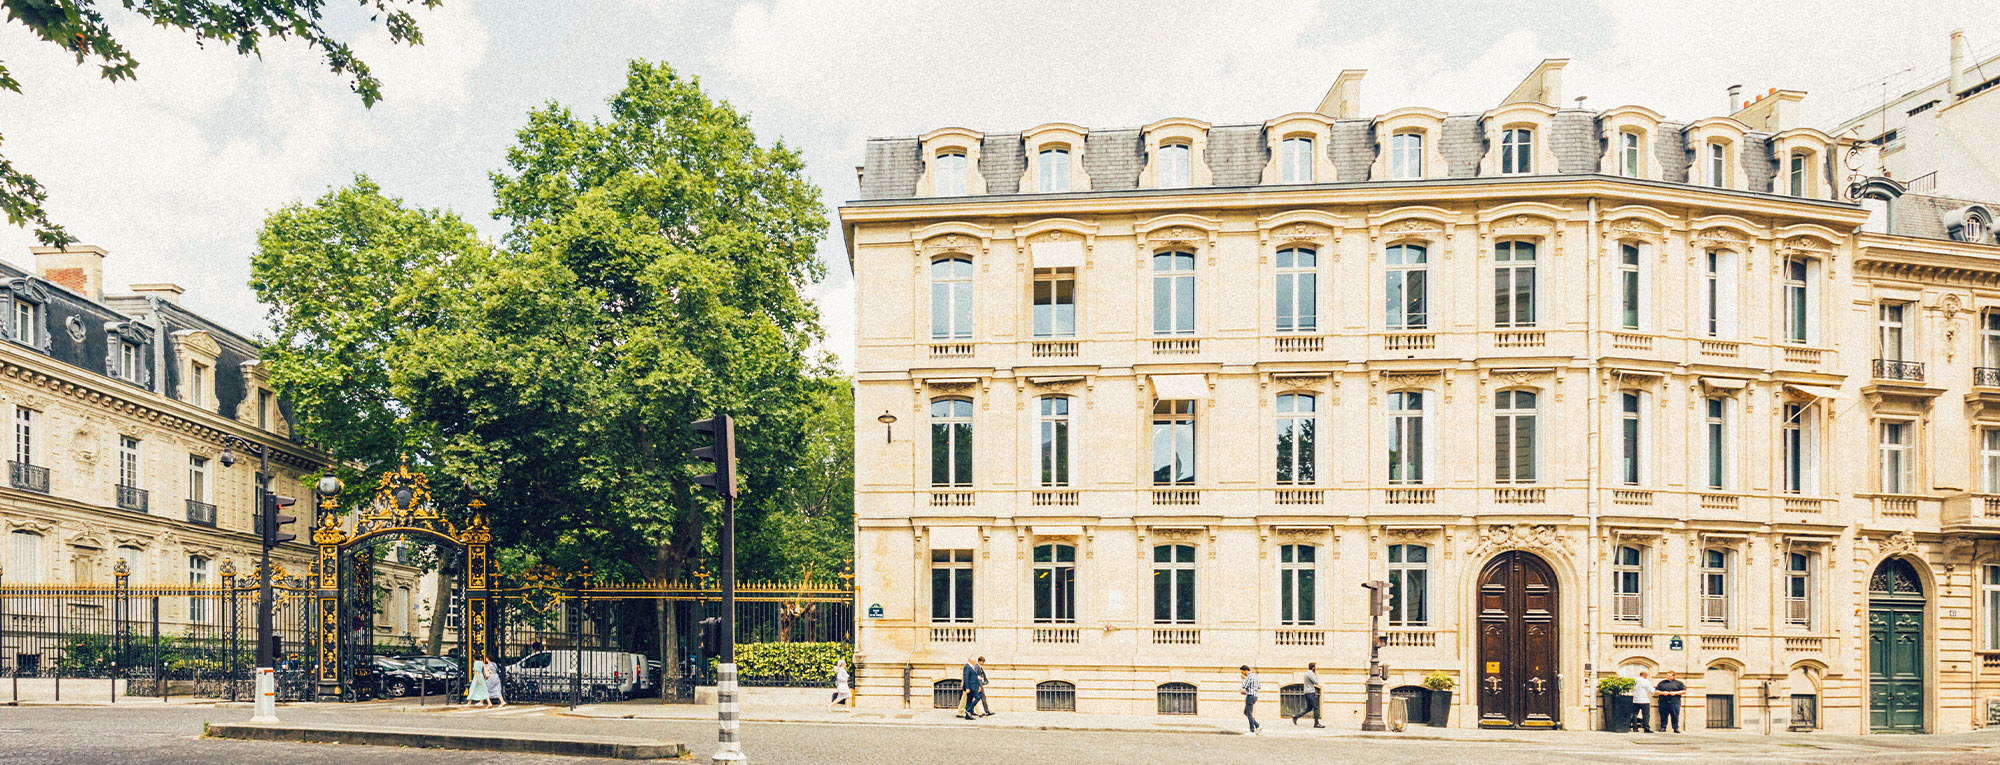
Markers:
1617,713
1440,709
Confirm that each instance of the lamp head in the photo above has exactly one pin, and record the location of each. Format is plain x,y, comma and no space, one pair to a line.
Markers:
886,418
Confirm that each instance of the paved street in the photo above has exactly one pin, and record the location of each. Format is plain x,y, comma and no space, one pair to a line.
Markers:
166,735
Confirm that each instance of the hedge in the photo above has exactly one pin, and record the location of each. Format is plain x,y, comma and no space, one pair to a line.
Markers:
804,661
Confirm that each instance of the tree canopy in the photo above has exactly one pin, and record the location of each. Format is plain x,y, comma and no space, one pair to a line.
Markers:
78,26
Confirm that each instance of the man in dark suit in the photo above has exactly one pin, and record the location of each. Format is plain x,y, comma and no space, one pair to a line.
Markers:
970,679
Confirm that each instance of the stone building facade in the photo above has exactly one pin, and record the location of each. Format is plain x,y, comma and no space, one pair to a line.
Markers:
1592,391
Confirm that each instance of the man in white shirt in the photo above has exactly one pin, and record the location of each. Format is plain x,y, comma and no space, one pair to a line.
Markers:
1642,700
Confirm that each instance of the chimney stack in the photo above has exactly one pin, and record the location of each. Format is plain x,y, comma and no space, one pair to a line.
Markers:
167,293
1957,82
1735,102
1343,100
77,268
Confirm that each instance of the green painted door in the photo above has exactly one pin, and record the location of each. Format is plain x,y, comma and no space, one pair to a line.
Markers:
1896,648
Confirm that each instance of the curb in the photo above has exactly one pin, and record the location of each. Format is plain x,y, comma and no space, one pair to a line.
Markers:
471,740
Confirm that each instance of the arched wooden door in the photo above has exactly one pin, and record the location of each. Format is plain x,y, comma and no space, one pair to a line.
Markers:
1518,632
1896,648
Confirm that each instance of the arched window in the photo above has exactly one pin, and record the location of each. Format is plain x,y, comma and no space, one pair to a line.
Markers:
1716,574
1631,437
1514,284
1052,169
1173,584
1173,293
1799,173
1297,567
1406,437
1055,696
1799,585
1296,160
948,174
951,442
1407,287
1514,434
1176,698
1630,266
1628,583
1055,584
951,299
1173,442
1296,426
1298,290
24,556
1174,168
1517,149
946,693
1409,585
1406,155
1720,684
1629,155
1053,426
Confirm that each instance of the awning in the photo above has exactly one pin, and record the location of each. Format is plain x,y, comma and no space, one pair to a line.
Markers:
1813,391
1056,531
1064,254
1179,387
1724,383
953,537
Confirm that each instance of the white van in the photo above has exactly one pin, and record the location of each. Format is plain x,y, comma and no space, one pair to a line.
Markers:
604,672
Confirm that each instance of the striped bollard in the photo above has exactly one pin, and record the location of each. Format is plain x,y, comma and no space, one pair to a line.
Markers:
729,749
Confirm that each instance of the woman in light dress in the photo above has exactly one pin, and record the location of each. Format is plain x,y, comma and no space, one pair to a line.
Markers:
495,689
841,694
475,687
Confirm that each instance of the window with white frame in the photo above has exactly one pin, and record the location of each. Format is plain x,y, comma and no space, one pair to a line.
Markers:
1409,585
128,461
1055,583
951,442
1514,436
1406,437
24,556
1715,575
951,299
1173,442
25,422
27,322
1989,338
1173,293
1052,169
1514,284
948,174
1172,168
1799,173
1055,302
197,577
1298,565
1799,440
1517,149
1989,460
133,558
1628,153
1892,341
198,488
198,378
1053,425
1407,286
263,409
1719,293
1799,590
1298,290
1173,584
1989,600
1406,155
1628,581
1296,160
1297,421
1629,264
1631,436
1716,420
400,620
1718,164
1897,460
1798,301
951,585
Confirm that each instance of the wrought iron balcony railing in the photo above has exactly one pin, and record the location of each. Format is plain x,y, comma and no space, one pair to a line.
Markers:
1891,369
201,512
1985,377
132,498
22,475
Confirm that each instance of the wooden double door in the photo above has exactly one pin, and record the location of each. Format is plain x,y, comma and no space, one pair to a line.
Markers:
1896,649
1518,635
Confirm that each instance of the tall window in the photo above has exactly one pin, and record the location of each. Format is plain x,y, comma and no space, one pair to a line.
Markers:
263,409
1296,160
25,420
1173,293
198,478
1171,170
1800,444
1989,460
1989,596
1628,285
951,585
1514,436
128,461
1173,584
1297,422
1516,151
1298,290
1715,587
1406,437
1407,288
1054,427
1053,169
133,558
1989,338
1406,155
1628,154
1797,300
24,556
1715,429
27,322
951,442
1173,442
1055,302
197,375
401,606
1717,164
1890,332
1897,465
1719,293
1297,565
1798,173
1631,440
1628,574
1055,584
951,299
197,577
948,174
1514,284
1798,590
1409,585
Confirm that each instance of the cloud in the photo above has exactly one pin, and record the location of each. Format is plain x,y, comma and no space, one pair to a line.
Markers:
437,72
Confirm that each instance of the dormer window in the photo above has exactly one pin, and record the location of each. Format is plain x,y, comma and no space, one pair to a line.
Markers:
1052,168
1718,164
1175,164
1517,151
197,391
1296,160
1971,224
1796,173
1628,154
1974,229
27,322
128,361
949,174
1406,156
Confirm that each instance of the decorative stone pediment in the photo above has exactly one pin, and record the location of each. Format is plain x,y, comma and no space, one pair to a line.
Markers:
952,236
196,341
1636,228
1804,246
1535,538
1901,543
1299,228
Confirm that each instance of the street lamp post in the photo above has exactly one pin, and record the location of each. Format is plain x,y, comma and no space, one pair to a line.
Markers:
1378,675
267,686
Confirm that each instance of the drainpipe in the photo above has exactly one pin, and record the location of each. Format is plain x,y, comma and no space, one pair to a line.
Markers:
1592,500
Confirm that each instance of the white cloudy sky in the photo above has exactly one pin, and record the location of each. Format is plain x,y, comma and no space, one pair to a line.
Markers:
173,173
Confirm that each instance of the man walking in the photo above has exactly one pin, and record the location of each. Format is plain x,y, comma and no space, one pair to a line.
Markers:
986,709
1670,690
1250,697
969,688
1309,683
1642,698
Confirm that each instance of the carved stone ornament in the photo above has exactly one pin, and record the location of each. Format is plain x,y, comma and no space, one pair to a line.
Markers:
1639,227
1950,306
1901,543
1412,227
944,243
1176,535
1719,235
1522,537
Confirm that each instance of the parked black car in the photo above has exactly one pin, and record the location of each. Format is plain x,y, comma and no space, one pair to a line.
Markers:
446,676
394,678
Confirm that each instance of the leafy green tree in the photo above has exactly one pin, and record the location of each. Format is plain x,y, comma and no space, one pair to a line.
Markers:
78,26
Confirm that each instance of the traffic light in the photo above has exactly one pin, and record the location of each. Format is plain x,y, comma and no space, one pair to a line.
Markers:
720,433
274,523
1378,597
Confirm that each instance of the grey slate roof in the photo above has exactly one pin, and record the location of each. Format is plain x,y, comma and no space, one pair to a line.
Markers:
1671,151
1924,216
1575,141
891,167
1353,149
1462,144
1002,160
1236,154
1758,164
1114,158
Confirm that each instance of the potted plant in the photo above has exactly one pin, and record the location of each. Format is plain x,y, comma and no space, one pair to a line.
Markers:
1440,684
1616,692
